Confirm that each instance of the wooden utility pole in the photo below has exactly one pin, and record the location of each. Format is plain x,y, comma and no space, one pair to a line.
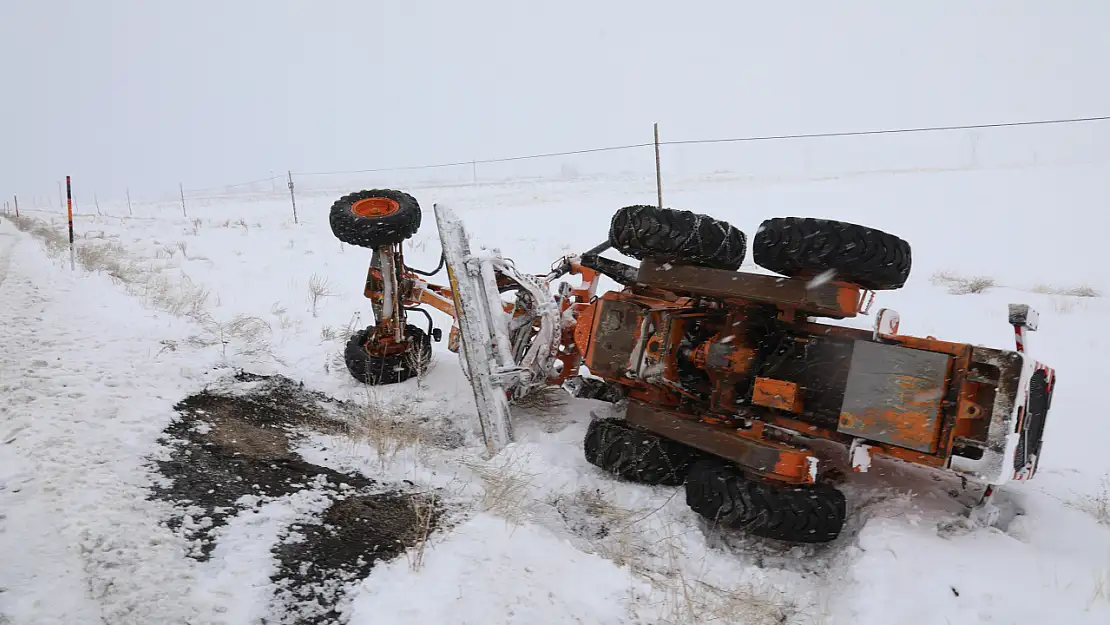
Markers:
129,202
181,188
292,198
658,168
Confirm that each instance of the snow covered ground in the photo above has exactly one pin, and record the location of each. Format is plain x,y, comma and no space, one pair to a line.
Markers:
94,361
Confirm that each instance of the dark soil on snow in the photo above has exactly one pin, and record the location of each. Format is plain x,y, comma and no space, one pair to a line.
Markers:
355,533
225,445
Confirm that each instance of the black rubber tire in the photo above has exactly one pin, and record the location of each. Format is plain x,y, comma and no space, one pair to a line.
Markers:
373,232
677,237
389,369
719,492
800,247
637,456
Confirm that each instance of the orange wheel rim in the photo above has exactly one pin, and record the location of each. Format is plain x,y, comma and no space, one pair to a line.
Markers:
375,207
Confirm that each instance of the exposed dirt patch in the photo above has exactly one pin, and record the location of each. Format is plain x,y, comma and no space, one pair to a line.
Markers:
353,535
225,446
229,450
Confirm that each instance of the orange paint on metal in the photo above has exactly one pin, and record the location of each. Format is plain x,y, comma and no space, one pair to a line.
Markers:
438,301
583,328
375,207
699,357
741,360
910,427
670,357
793,463
848,298
586,291
914,419
778,394
809,429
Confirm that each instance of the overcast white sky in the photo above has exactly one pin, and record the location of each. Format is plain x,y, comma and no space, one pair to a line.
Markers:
145,93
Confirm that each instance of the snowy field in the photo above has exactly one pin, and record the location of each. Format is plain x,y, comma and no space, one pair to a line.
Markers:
161,305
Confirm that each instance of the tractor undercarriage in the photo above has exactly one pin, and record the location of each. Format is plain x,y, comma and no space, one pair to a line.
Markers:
726,379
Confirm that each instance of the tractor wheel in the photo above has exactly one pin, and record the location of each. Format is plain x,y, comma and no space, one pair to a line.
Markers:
680,237
637,456
802,514
805,248
375,218
387,369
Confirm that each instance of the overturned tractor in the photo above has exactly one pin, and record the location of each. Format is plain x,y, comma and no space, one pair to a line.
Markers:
727,380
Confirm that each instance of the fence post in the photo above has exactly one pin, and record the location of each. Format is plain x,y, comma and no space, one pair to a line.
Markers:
61,199
129,202
16,198
69,218
292,197
181,187
97,203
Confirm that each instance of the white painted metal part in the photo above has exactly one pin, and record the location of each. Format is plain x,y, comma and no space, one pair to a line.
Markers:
475,323
887,323
486,335
860,454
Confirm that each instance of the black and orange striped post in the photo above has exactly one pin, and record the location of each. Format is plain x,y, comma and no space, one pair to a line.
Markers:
69,217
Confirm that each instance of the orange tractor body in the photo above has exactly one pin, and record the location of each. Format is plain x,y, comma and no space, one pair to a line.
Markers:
727,380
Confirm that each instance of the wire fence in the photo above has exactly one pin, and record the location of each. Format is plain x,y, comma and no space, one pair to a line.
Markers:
303,181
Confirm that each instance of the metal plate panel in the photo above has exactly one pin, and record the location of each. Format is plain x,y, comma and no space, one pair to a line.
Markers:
894,395
616,330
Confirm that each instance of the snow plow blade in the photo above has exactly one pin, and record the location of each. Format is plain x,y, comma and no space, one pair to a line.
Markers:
480,346
503,358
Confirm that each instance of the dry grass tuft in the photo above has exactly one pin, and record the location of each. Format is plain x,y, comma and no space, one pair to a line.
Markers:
285,322
424,508
507,487
383,426
421,362
692,602
245,335
174,295
1082,290
543,398
318,289
1097,505
960,285
55,240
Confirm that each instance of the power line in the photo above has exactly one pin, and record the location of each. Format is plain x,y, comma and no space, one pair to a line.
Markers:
814,135
483,161
861,133
237,184
632,146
